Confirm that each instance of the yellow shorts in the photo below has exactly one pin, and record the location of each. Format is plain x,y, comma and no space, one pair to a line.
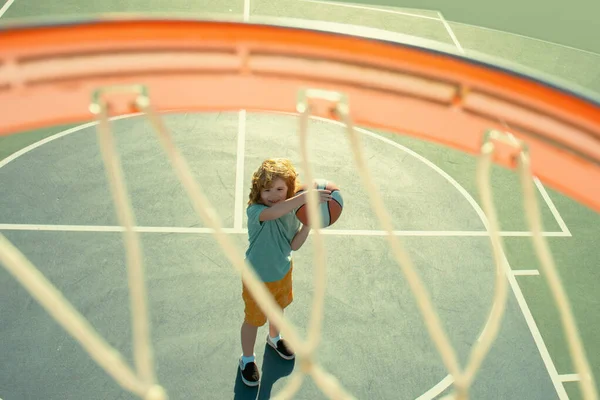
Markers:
281,291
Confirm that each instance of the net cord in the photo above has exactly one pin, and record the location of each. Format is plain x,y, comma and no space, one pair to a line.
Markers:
540,244
142,346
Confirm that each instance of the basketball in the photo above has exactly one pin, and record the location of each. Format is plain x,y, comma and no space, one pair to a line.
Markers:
330,211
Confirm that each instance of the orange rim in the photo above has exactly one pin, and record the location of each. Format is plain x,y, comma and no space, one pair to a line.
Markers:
47,78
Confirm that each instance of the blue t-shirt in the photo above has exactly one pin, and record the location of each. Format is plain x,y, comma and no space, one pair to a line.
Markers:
269,248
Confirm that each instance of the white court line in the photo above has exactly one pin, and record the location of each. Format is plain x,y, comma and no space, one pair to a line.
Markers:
246,10
547,199
451,180
552,207
110,228
569,377
176,229
535,332
383,10
239,172
361,232
529,38
5,7
451,33
525,272
35,145
437,389
537,337
514,285
424,160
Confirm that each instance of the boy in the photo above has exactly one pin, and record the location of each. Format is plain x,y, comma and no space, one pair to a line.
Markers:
273,233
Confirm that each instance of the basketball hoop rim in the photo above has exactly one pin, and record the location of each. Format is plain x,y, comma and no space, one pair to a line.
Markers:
394,82
362,32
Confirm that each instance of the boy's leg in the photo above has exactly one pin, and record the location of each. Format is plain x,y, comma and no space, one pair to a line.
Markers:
248,367
273,330
282,290
252,320
279,344
283,293
248,333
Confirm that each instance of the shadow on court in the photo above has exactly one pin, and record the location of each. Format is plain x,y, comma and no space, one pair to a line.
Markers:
273,369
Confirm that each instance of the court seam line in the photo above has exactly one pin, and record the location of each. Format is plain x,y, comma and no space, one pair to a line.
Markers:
451,33
5,7
239,171
383,10
235,229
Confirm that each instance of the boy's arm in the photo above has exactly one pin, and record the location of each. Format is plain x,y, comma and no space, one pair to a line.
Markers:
282,208
300,237
290,204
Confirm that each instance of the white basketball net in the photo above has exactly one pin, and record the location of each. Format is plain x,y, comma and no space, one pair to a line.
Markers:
142,380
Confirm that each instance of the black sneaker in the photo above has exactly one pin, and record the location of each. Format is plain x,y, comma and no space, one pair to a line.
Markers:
250,374
282,348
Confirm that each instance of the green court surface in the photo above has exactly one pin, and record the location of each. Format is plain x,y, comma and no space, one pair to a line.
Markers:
57,209
573,24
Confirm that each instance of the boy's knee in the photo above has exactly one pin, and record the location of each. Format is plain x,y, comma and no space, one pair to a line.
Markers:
256,320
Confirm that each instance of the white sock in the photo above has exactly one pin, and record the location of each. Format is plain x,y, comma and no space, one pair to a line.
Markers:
246,360
275,339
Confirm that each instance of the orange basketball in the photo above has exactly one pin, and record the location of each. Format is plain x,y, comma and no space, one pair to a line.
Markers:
330,211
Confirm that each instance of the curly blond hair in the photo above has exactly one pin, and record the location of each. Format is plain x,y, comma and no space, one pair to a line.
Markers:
270,170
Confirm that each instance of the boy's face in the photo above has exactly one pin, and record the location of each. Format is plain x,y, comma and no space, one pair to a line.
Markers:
276,193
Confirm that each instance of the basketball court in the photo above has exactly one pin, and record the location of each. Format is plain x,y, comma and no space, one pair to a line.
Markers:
57,209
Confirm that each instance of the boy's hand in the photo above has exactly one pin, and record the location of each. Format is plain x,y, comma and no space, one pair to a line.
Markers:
324,195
